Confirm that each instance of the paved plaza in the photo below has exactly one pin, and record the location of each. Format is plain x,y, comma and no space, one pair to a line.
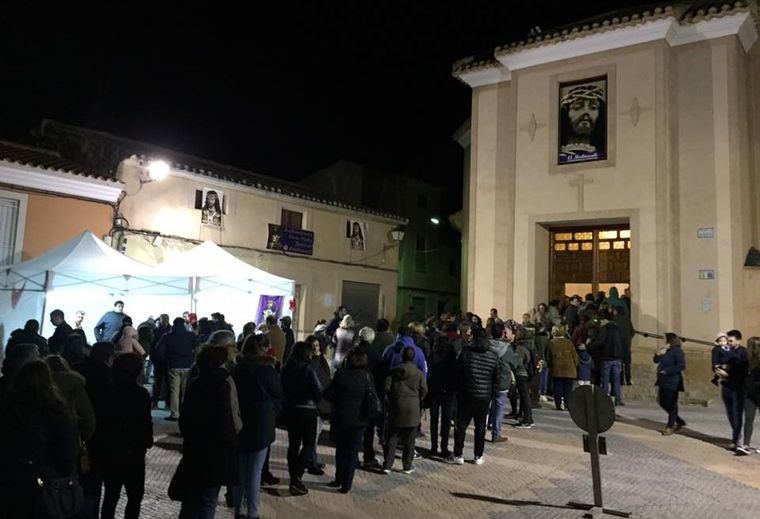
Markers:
534,475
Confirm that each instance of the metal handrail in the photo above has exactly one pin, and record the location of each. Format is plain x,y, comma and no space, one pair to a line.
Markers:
683,339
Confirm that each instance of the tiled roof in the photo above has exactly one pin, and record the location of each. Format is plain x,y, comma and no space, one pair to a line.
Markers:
684,12
105,151
44,159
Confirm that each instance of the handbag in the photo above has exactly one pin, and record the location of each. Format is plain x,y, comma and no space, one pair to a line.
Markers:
60,498
179,483
371,407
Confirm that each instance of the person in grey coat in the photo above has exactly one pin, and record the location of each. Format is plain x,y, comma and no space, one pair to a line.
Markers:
406,388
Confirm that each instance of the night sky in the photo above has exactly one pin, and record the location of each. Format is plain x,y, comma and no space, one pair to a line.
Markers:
279,90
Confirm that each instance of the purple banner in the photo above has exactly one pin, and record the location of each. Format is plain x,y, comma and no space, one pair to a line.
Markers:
268,305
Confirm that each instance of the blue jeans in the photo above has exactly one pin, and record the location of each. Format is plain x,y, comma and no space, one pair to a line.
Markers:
734,402
543,384
496,414
92,487
200,503
612,368
251,463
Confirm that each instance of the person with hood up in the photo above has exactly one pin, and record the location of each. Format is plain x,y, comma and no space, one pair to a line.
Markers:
671,362
129,342
613,300
406,387
478,372
392,354
260,398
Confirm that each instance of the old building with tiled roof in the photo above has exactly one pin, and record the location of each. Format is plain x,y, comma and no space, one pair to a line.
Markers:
619,152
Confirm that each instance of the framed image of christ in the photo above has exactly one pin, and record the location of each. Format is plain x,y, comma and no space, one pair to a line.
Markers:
582,125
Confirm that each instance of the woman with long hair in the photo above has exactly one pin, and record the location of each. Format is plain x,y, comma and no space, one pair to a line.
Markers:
37,441
751,395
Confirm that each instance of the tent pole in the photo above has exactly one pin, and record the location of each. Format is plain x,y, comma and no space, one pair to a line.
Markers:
193,304
44,298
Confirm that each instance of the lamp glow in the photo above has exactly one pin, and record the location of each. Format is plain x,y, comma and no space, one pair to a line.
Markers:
158,170
435,221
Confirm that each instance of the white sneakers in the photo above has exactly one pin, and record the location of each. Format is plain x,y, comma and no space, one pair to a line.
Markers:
455,460
480,460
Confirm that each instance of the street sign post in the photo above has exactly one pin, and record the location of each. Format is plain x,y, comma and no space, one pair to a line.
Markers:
593,411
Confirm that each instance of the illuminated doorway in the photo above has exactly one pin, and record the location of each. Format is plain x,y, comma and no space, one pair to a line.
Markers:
589,259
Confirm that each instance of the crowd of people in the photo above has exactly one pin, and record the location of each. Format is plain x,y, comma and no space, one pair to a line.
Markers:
78,417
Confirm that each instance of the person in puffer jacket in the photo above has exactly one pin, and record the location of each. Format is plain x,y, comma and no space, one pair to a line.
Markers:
478,372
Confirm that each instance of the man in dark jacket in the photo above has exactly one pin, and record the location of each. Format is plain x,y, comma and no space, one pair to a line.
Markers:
160,387
608,348
671,363
383,336
129,428
30,335
57,342
478,371
338,315
286,324
524,370
732,388
442,386
176,349
571,313
110,324
623,322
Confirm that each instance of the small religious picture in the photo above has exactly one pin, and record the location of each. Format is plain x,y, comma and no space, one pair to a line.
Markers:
356,231
211,204
269,306
583,121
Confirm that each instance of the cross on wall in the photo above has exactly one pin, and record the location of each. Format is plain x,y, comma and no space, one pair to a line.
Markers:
580,182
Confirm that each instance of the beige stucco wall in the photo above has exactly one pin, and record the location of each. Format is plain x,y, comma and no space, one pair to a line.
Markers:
685,164
167,207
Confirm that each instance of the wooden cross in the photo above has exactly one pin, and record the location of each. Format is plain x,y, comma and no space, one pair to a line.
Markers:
580,182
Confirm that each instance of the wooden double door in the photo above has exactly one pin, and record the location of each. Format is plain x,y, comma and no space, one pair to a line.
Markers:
589,259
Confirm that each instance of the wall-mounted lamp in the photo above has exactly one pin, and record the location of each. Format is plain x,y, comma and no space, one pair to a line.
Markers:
397,234
435,221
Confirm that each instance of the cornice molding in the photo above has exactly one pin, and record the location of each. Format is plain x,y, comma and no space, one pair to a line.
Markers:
18,175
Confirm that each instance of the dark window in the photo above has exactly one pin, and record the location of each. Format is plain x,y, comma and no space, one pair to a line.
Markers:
291,219
420,255
422,201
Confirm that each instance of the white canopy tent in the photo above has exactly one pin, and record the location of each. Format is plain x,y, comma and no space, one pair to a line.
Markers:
83,274
223,283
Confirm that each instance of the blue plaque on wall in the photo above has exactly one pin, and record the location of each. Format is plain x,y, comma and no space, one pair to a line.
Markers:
290,240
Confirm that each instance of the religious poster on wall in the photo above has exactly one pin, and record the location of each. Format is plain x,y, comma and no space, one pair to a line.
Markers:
583,121
356,231
269,305
211,204
290,240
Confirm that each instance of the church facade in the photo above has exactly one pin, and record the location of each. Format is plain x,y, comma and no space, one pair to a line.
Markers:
621,152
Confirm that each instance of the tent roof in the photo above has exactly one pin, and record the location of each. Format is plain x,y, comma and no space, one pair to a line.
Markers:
86,253
210,260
